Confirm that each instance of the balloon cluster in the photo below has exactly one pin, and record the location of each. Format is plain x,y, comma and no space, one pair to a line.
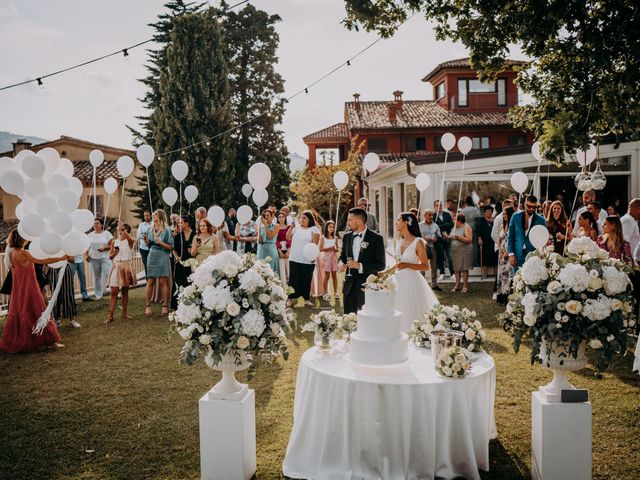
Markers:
50,196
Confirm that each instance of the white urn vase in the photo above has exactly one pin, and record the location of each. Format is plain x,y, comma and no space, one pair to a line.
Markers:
561,362
228,388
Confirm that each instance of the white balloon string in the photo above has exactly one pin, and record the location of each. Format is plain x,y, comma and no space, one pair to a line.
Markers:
106,212
444,173
46,317
149,187
548,176
461,182
94,193
180,207
338,206
124,181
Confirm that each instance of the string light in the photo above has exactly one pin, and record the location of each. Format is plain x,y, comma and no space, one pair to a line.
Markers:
40,84
125,53
306,90
208,143
348,63
183,152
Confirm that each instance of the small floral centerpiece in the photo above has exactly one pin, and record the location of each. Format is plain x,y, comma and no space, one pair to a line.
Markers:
453,362
382,282
234,311
443,317
349,323
563,303
328,325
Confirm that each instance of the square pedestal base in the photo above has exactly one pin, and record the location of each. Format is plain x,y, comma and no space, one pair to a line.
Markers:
560,439
228,438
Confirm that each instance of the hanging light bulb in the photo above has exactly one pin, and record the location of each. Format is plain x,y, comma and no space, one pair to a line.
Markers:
40,84
125,53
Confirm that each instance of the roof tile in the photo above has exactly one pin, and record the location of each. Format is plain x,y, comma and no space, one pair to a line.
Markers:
338,132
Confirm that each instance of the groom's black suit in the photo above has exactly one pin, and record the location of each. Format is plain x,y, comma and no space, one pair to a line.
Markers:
373,260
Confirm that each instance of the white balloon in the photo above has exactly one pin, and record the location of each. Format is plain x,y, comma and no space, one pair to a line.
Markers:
57,183
12,182
36,250
371,162
585,158
191,193
340,179
145,155
82,220
68,200
259,176
519,182
535,151
539,236
25,207
73,244
24,234
51,159
76,185
65,168
125,166
260,197
448,141
46,206
110,185
96,157
6,165
423,181
170,196
591,154
247,189
33,224
33,166
244,214
20,214
35,188
216,215
61,223
51,243
20,156
310,252
179,170
465,145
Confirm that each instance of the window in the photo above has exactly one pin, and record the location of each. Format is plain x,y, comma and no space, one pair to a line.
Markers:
480,143
476,86
414,144
99,203
463,101
328,156
517,140
440,91
377,145
502,92
437,143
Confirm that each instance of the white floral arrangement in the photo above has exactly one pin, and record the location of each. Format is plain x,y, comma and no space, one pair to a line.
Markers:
584,296
453,362
329,324
443,317
234,303
382,282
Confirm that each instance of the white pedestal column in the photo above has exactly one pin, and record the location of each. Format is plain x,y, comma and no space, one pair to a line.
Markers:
560,439
228,438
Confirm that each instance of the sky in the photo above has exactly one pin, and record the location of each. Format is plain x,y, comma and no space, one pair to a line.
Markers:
96,102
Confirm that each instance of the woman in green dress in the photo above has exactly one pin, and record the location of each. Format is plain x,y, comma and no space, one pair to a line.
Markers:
160,242
267,241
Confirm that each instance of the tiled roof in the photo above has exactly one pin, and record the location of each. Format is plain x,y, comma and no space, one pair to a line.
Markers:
337,132
462,63
397,157
65,139
417,114
84,171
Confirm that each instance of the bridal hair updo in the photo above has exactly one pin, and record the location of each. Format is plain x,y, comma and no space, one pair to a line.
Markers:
412,223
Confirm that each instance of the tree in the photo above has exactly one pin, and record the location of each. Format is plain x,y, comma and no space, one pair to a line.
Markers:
194,106
584,73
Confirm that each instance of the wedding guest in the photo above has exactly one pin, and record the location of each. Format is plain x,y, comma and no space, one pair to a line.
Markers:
284,246
247,235
301,268
612,240
372,221
520,224
65,306
329,250
201,214
559,226
98,256
498,220
505,270
629,221
287,213
587,226
160,244
470,212
546,208
182,244
462,252
143,229
596,209
587,197
27,303
267,235
205,243
488,254
445,223
431,234
611,211
77,268
174,223
231,221
122,276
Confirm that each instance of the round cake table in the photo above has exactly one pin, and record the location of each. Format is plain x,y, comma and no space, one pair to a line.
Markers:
353,421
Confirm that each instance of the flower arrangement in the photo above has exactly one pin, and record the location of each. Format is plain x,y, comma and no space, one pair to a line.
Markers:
582,297
328,324
449,318
453,362
235,305
381,282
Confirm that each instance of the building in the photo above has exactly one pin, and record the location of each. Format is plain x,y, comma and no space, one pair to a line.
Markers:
77,151
398,128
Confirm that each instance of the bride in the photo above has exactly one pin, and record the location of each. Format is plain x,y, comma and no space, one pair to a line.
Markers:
414,296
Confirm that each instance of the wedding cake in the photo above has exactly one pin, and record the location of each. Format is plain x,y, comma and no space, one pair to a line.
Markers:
378,339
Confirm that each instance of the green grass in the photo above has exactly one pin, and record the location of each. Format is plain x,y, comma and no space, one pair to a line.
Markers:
115,404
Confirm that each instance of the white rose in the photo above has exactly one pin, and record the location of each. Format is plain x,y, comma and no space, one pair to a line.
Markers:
441,318
447,371
185,333
233,309
205,339
477,325
242,342
470,334
230,270
594,284
595,344
529,320
554,287
262,343
616,304
573,307
594,273
264,298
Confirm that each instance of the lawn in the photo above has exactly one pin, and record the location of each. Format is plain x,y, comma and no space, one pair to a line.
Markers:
116,404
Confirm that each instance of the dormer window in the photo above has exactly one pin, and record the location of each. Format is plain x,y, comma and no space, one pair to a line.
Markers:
440,91
468,86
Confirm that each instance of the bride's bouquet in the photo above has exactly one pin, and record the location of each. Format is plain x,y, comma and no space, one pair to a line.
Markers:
442,317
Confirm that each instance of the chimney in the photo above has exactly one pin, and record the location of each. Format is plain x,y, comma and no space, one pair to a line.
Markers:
19,145
356,101
392,112
397,97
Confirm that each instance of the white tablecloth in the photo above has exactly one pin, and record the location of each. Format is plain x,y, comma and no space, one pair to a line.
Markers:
636,359
397,422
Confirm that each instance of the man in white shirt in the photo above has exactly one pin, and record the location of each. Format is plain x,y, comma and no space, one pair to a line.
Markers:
144,229
629,221
587,197
596,210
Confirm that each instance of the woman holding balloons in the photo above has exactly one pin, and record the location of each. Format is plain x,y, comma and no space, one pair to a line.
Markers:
267,241
160,242
303,257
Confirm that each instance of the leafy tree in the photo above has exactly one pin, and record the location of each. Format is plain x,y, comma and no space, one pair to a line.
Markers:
584,73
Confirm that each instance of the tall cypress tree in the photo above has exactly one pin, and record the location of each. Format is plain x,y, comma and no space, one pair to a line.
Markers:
195,105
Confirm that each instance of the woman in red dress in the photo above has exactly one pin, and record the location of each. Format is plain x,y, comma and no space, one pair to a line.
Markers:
26,303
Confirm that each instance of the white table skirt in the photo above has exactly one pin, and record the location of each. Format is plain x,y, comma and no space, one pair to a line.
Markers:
396,422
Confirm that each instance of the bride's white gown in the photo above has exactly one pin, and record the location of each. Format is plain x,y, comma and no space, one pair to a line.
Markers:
414,296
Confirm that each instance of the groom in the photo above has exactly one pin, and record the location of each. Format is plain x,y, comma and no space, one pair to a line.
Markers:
362,255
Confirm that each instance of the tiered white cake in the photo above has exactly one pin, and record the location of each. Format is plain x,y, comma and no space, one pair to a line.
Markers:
379,339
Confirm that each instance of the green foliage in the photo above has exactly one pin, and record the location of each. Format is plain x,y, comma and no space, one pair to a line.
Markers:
585,58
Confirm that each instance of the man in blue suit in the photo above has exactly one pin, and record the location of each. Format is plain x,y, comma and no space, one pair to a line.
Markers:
521,223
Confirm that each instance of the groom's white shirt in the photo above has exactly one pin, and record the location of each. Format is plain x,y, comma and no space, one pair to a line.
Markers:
357,243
